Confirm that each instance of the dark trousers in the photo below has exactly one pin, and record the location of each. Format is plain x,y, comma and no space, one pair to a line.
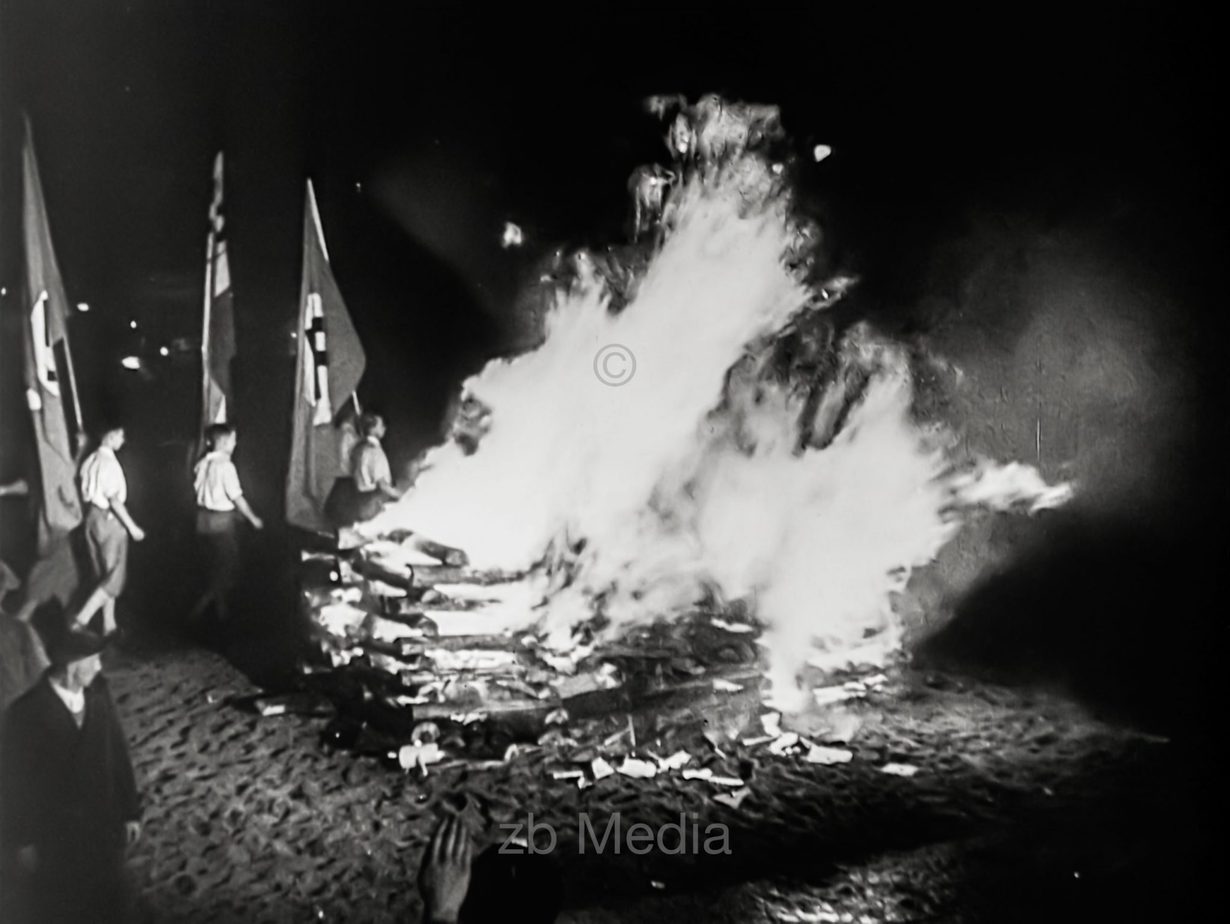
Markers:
101,896
219,536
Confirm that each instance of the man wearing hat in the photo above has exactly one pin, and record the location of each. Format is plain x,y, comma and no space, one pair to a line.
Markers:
68,799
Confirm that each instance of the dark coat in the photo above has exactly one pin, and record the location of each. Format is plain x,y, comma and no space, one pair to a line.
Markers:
68,791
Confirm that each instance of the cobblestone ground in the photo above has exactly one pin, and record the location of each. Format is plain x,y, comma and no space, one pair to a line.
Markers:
1023,809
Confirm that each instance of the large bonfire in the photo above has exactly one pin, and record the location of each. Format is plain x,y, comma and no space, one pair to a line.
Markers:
692,433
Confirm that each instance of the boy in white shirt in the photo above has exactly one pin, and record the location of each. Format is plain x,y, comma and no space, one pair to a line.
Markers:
370,467
219,504
108,527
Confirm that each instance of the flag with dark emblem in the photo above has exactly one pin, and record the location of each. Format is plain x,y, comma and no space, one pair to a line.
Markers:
218,331
47,362
330,364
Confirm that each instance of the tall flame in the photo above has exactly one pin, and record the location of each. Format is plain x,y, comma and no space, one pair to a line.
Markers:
687,471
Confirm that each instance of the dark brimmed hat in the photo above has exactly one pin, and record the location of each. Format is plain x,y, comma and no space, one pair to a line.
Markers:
74,645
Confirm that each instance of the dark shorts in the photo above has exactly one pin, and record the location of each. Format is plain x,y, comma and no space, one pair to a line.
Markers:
370,504
219,534
107,543
347,505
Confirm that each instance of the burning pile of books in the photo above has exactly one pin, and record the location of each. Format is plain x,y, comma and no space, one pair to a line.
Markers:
425,658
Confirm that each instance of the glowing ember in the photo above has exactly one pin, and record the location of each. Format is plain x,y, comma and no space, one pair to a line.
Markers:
708,475
512,236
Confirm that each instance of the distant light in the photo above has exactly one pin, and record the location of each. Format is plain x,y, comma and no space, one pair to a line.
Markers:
163,351
4,290
821,151
132,324
512,236
358,187
82,306
131,362
293,335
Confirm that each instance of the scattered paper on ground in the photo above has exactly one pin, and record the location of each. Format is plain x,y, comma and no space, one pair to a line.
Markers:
419,755
638,769
733,799
819,754
899,769
600,768
783,743
676,761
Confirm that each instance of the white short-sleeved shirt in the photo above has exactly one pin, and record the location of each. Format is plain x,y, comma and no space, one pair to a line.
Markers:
371,465
216,482
102,479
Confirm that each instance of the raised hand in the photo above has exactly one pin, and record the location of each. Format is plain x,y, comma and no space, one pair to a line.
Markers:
444,877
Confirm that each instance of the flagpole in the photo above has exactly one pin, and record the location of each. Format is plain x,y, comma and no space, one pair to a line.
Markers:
211,246
72,384
209,286
320,231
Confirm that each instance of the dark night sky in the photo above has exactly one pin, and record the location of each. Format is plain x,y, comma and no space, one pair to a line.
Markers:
426,129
